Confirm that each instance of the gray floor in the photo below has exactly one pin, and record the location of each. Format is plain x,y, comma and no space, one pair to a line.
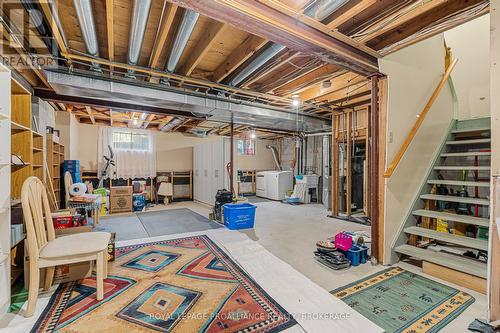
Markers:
290,233
155,223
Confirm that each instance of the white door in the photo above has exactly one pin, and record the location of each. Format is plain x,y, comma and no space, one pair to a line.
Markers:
196,172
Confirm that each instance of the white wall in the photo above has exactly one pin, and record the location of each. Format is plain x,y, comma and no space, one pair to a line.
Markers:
67,124
174,151
413,73
470,44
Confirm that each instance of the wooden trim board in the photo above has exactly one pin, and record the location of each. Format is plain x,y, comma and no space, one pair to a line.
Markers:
459,278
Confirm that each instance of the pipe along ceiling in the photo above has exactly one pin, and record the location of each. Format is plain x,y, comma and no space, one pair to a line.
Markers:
318,9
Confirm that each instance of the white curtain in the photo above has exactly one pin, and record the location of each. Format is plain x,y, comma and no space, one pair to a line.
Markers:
130,162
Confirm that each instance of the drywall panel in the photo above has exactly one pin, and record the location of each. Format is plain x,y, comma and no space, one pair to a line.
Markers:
413,73
87,146
470,44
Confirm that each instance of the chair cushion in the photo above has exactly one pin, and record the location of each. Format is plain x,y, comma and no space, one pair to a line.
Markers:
76,244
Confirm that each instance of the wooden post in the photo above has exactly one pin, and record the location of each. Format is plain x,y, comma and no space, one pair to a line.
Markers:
348,183
374,167
335,165
231,169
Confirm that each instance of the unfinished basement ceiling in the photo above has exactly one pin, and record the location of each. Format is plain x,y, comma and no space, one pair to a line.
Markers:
322,54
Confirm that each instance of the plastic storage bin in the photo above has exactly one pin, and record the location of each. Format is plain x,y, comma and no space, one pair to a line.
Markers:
343,241
354,255
364,253
239,216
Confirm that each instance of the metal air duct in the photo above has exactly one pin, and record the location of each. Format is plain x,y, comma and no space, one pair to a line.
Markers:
276,157
87,25
140,16
256,63
174,122
187,25
321,9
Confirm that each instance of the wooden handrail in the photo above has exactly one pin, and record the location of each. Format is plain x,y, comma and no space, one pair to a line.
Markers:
420,119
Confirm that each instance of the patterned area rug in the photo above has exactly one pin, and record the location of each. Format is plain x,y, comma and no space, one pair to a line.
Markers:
181,285
401,301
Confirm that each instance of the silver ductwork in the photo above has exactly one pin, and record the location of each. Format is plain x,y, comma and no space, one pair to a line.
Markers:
87,26
186,28
276,156
210,107
256,63
140,16
321,9
139,121
171,124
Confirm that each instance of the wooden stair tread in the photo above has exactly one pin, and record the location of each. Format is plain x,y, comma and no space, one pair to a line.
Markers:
473,243
462,167
467,154
469,130
458,263
480,221
458,183
467,142
452,198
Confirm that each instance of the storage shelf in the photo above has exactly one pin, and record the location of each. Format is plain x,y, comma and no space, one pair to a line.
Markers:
19,166
37,165
37,134
37,149
18,127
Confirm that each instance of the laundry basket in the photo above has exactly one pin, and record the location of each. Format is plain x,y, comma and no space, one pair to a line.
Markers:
239,216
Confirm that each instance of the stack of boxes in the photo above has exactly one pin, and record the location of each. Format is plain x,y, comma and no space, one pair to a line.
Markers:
121,199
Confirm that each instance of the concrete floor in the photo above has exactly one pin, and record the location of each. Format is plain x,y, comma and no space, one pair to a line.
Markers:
290,233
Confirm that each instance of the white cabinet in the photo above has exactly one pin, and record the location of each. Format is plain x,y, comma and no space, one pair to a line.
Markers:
209,164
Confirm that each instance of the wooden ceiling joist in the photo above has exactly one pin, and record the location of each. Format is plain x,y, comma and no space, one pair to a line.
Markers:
110,30
47,11
161,38
304,81
283,29
347,11
204,44
90,113
241,54
318,92
274,66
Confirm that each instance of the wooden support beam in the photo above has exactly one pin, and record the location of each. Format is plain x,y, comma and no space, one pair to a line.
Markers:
165,26
348,164
110,31
344,15
247,49
281,28
303,82
373,162
111,117
205,42
318,93
164,122
400,17
149,119
69,108
91,115
335,165
47,11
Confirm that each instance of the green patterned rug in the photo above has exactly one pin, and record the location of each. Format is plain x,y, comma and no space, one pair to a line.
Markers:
401,301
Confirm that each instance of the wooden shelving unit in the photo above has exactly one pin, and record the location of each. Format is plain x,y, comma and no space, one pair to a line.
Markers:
55,157
247,182
182,182
38,160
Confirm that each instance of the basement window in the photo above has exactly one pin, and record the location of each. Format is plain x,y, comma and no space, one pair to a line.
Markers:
245,147
124,140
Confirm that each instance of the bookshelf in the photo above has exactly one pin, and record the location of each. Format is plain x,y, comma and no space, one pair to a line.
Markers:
55,157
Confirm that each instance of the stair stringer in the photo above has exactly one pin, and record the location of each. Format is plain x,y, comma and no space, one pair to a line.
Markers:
410,220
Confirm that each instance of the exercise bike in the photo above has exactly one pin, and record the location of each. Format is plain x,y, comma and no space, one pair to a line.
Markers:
109,162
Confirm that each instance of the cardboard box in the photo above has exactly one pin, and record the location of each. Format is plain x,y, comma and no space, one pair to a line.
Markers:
121,199
121,191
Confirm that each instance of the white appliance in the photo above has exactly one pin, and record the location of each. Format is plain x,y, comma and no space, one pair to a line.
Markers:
310,181
273,184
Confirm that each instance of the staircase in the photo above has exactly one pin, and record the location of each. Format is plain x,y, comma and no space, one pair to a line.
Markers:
466,149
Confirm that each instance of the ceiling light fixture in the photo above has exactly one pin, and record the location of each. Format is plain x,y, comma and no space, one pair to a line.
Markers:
295,100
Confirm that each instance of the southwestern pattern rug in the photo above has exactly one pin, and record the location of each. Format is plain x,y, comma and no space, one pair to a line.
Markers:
181,285
401,301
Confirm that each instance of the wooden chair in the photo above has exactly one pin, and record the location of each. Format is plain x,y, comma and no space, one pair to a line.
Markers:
47,251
